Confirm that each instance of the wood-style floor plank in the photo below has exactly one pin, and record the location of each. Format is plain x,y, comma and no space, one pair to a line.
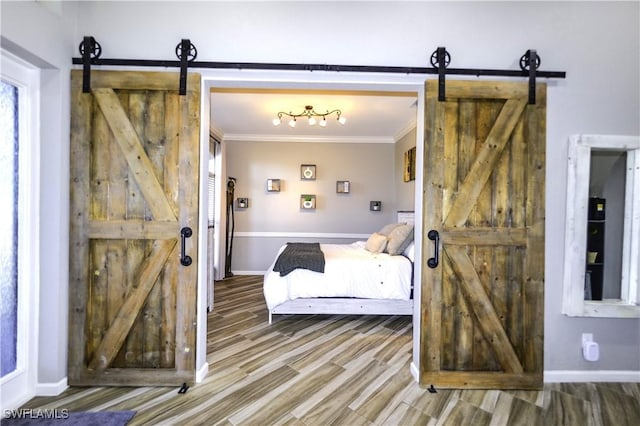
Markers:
313,370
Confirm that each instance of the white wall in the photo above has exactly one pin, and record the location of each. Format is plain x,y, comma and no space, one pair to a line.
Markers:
42,36
596,43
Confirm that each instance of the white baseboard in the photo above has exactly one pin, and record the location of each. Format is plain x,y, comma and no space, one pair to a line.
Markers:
248,272
573,376
202,372
51,389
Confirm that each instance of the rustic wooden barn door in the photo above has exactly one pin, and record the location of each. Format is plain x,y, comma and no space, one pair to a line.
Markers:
134,192
482,305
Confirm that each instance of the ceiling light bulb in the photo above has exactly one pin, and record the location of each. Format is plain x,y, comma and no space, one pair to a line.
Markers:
276,121
323,122
342,120
312,121
292,123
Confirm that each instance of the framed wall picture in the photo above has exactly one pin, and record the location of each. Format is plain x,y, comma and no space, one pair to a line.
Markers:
273,185
410,165
308,201
343,187
308,172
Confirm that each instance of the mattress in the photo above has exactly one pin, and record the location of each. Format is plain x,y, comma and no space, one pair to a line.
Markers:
350,271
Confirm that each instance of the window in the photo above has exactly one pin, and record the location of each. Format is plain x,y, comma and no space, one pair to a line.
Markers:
9,126
580,268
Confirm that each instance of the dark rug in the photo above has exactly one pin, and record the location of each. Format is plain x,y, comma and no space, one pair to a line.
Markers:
68,418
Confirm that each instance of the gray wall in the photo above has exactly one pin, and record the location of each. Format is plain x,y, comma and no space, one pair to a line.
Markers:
368,166
405,191
478,35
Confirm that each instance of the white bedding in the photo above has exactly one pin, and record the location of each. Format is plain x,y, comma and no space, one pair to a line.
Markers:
350,271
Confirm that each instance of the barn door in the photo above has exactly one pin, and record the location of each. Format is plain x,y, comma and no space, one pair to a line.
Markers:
134,189
482,305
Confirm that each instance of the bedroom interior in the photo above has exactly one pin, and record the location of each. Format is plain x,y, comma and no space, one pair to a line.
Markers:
595,109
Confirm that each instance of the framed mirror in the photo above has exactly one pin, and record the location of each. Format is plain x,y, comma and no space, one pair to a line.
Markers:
602,241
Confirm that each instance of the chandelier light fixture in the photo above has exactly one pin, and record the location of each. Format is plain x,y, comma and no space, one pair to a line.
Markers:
312,116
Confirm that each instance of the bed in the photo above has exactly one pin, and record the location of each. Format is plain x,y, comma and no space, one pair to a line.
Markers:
360,278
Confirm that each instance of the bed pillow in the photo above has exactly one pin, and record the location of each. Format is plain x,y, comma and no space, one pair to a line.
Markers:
386,230
410,251
376,243
399,239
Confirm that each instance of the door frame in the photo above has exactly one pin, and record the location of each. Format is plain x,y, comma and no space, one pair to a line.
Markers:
21,384
273,79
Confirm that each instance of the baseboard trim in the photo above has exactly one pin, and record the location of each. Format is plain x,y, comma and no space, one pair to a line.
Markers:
583,376
51,389
248,272
201,373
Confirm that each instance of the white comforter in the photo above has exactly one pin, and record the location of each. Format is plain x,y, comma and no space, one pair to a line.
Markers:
350,271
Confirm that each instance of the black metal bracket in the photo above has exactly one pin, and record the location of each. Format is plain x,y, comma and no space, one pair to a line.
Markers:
441,59
89,49
186,52
531,61
184,388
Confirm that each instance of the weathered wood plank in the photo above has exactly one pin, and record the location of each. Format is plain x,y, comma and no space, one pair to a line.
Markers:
485,236
117,248
146,278
487,90
132,229
431,285
485,162
171,275
133,151
450,155
449,312
97,320
535,125
481,213
137,209
483,310
188,199
483,380
80,196
148,80
154,146
483,262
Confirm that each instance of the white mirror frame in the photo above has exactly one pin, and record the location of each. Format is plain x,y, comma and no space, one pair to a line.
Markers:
573,303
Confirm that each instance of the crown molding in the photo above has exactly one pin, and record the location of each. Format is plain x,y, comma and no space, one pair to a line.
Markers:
302,138
412,124
216,133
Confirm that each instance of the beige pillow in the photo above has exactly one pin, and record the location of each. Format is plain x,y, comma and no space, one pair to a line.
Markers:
399,239
386,230
376,243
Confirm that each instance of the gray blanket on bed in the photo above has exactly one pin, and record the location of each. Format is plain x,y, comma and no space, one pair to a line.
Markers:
300,256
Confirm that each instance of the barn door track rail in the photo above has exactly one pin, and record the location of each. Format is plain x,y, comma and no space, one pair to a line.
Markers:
186,52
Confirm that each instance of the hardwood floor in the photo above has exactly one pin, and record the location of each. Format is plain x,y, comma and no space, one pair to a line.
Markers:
340,370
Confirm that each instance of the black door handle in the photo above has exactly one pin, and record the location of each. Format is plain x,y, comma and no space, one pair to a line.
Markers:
185,233
435,237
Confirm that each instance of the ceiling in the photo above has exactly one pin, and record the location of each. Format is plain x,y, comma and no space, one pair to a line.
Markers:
375,117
